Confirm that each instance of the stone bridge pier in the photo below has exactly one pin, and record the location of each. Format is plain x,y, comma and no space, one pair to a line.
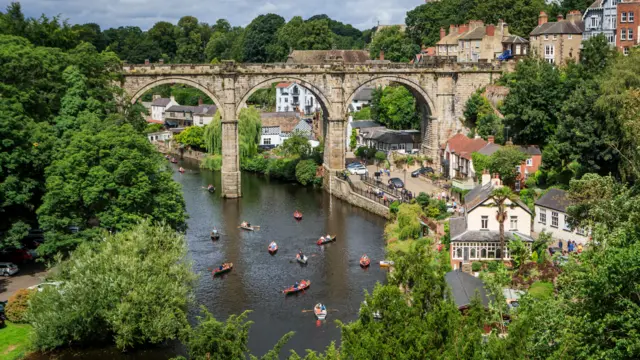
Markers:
441,90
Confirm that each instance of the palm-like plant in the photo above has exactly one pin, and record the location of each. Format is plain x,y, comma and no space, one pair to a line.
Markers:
500,196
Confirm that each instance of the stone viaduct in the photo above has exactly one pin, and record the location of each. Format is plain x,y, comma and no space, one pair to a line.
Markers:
441,91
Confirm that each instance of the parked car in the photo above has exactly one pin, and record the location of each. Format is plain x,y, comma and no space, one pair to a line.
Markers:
41,287
395,183
353,164
422,171
16,256
8,269
357,170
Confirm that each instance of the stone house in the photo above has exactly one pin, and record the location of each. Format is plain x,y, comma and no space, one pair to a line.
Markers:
481,43
527,168
362,99
184,116
292,97
601,18
516,45
628,25
158,107
363,128
556,42
475,236
160,136
448,44
551,216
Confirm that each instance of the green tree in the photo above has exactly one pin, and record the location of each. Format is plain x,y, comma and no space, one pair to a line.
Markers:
189,43
249,131
213,135
306,171
504,162
192,136
395,44
353,139
395,107
260,39
131,288
363,114
502,198
165,34
296,145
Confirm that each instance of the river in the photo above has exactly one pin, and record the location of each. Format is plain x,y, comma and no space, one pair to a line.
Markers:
256,281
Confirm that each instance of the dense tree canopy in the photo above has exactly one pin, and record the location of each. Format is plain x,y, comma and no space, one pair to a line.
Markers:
395,44
395,107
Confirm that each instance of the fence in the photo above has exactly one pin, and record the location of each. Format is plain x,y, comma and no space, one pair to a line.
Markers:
379,184
380,199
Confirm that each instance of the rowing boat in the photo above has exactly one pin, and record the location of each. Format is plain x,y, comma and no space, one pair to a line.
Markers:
297,215
365,261
301,260
215,234
386,263
294,289
247,226
226,267
320,311
273,248
325,240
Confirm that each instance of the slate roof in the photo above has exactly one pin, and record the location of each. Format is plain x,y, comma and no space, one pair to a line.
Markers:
363,124
489,236
559,27
181,108
161,102
489,149
387,136
287,121
457,225
480,194
207,110
514,39
450,39
328,56
530,149
303,126
364,94
555,199
475,34
464,288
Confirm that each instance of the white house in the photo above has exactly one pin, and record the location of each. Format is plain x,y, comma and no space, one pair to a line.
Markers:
551,216
159,105
475,236
292,97
362,99
159,136
277,127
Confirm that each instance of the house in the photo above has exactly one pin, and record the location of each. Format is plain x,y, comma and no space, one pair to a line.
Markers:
277,127
551,216
160,136
515,45
362,99
464,287
383,139
292,97
601,18
158,107
475,236
448,44
328,56
427,53
628,25
363,129
203,114
527,168
456,156
183,116
558,41
481,43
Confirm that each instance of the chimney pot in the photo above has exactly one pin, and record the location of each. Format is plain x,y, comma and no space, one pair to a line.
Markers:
161,61
491,139
490,30
381,54
560,17
542,18
200,100
146,61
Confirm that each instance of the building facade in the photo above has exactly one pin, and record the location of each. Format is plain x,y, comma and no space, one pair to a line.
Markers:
558,41
475,236
481,43
361,100
551,217
456,156
628,25
159,105
183,116
601,18
293,97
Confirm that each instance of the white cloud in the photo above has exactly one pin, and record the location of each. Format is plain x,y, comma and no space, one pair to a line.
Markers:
362,14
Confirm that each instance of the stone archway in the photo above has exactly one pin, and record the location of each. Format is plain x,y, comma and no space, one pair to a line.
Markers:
183,81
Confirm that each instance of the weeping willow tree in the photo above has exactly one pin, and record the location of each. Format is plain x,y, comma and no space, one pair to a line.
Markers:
249,129
213,135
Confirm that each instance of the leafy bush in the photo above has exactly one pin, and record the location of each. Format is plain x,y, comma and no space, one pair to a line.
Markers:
192,136
531,182
411,160
423,199
492,266
256,164
212,162
132,287
476,266
446,238
394,207
284,169
306,171
432,212
151,128
16,309
296,145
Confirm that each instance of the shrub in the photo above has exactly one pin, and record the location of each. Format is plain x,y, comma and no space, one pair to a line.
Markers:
492,266
476,266
433,212
411,160
394,207
212,162
306,171
380,156
284,169
446,238
423,199
16,309
531,182
257,164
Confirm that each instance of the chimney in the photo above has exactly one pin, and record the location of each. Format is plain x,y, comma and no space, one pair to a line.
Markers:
442,33
156,96
491,139
173,99
161,61
574,16
146,61
559,17
463,28
496,182
453,29
490,30
486,178
509,142
542,18
200,100
381,54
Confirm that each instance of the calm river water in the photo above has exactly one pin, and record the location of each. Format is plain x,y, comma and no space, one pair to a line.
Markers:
257,277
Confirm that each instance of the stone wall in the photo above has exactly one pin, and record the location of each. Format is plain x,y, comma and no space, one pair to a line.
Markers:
342,190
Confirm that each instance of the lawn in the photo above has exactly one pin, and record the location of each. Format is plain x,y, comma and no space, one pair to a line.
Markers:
541,290
405,245
14,341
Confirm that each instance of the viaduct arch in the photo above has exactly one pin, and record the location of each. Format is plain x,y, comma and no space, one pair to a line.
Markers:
441,90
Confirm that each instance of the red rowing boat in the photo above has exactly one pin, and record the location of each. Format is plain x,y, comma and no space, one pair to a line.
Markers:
326,239
304,284
297,215
273,248
222,269
365,261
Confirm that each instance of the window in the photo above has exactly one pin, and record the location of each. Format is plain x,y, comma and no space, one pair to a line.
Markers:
514,223
630,34
623,17
555,37
594,22
267,141
466,44
570,36
625,50
279,109
566,226
172,114
623,34
459,253
200,120
554,219
530,162
478,44
611,38
286,100
473,253
549,53
580,231
631,17
517,185
543,217
518,169
485,222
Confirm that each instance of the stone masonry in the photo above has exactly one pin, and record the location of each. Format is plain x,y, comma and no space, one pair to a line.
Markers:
441,89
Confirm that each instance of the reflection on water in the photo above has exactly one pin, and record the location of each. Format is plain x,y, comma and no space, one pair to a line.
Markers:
257,279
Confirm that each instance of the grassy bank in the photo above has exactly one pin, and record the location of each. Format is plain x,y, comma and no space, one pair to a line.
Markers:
14,341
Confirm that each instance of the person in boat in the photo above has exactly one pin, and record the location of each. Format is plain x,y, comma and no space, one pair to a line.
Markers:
221,266
295,286
322,307
328,237
322,238
300,254
248,225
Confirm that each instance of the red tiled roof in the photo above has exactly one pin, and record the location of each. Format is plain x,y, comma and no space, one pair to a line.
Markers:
155,121
283,85
463,146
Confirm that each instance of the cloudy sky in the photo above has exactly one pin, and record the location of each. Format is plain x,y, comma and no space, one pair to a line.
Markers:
362,14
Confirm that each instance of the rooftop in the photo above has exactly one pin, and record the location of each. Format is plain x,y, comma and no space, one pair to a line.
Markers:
161,102
363,124
555,199
559,27
464,287
480,194
287,121
364,95
489,236
514,39
465,146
